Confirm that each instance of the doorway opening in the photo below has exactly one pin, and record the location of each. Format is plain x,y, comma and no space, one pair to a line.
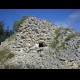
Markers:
41,44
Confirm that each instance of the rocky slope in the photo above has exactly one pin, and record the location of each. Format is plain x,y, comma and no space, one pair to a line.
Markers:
39,44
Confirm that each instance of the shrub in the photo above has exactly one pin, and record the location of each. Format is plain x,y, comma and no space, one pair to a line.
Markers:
54,43
57,32
24,18
62,46
70,36
17,23
1,28
5,54
11,37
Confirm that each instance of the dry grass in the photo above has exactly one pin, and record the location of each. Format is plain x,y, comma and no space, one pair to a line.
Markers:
5,54
11,37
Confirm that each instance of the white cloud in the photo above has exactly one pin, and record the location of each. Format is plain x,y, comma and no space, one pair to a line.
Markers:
73,21
62,24
75,16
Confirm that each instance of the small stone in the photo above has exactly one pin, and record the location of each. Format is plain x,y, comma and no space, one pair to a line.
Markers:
41,55
54,55
75,65
66,61
78,49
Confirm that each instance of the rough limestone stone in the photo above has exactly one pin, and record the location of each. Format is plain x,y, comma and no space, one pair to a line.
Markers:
79,50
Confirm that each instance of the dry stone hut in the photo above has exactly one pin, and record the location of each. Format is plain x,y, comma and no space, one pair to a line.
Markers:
34,33
32,51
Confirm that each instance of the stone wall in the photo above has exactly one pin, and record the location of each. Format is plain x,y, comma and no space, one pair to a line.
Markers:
34,31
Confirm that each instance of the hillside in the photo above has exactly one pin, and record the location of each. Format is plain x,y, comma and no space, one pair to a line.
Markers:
40,44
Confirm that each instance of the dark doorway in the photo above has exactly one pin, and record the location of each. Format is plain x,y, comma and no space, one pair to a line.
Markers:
41,45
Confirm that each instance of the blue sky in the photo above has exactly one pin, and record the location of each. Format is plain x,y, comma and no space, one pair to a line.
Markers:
62,17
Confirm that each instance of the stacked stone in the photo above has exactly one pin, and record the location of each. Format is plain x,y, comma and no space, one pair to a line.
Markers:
33,31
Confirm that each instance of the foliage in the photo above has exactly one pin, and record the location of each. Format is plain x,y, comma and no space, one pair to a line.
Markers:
54,43
1,28
62,45
5,54
70,36
57,33
4,33
11,38
23,18
11,32
17,23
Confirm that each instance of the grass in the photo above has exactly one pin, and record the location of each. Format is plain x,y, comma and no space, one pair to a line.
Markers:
62,46
70,36
55,41
12,67
5,54
19,22
20,30
58,33
11,37
54,44
20,67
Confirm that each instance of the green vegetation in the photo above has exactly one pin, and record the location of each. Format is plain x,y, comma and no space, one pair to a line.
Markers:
70,36
55,43
11,37
4,33
5,54
17,23
24,17
57,32
67,29
60,32
28,66
1,28
62,46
